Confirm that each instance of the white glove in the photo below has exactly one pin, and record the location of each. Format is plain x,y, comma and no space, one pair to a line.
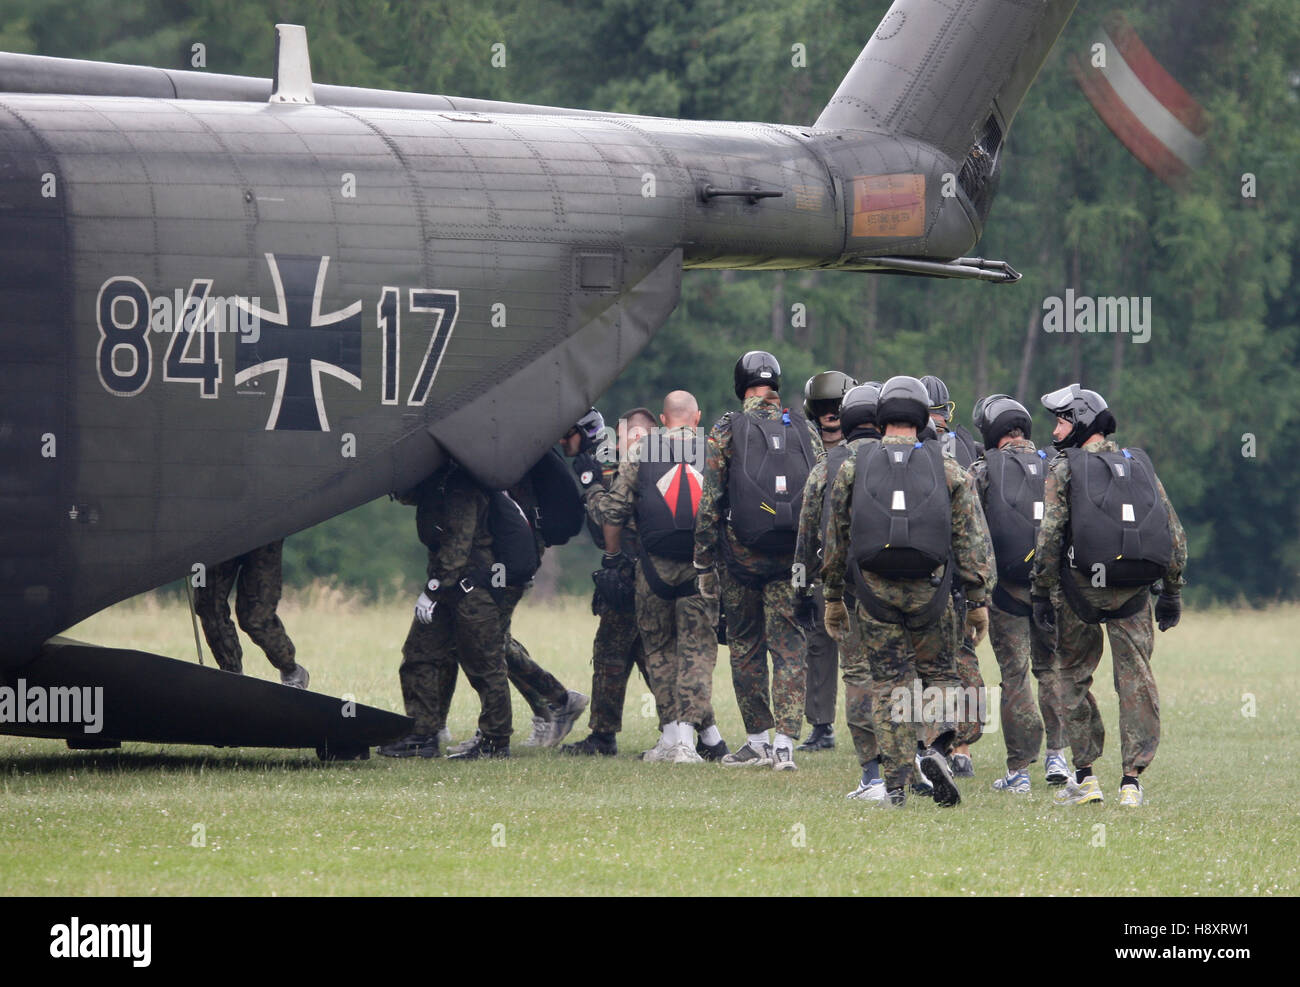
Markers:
424,606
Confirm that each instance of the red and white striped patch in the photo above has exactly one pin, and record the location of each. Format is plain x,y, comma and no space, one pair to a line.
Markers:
1142,104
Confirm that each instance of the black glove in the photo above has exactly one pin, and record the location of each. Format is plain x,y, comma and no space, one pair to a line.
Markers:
1044,615
805,613
1169,608
615,560
587,470
722,627
616,585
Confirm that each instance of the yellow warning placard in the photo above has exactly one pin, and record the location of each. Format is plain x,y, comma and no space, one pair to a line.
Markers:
889,205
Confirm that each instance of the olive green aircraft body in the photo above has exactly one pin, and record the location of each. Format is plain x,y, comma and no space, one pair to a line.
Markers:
231,308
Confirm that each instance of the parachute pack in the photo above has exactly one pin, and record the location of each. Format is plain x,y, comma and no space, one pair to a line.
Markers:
770,462
1117,519
1014,509
513,543
560,510
901,525
668,498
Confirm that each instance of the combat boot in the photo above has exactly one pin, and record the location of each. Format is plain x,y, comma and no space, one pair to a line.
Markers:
822,738
414,745
597,743
295,677
483,747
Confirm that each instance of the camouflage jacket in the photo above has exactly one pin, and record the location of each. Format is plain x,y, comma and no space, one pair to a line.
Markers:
808,547
601,509
451,518
1056,523
711,521
972,548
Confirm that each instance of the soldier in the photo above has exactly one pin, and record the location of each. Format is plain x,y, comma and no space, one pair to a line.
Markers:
456,621
821,404
555,707
617,646
858,421
905,524
659,484
1108,534
257,575
758,461
1009,478
957,444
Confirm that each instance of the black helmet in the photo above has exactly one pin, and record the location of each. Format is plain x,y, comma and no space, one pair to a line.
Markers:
937,393
859,406
1085,409
757,367
903,399
998,414
823,392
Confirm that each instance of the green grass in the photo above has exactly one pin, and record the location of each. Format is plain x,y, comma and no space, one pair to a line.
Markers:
1220,819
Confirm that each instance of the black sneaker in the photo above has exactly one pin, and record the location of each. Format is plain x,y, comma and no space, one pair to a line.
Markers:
897,797
603,744
484,747
415,745
935,767
822,738
714,752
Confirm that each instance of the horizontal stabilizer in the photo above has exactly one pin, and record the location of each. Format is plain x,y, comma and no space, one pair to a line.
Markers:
152,699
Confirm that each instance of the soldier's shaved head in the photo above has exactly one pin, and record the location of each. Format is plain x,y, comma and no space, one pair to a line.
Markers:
680,408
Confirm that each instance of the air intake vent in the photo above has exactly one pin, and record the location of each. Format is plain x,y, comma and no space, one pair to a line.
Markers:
978,178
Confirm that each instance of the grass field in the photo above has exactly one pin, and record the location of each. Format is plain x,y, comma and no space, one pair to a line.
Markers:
1221,815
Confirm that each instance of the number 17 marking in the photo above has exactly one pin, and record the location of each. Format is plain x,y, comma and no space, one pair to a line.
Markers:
446,304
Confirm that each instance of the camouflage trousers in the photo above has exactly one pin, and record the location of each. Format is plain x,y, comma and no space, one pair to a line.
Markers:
1019,648
968,672
823,664
857,694
539,687
1078,650
615,651
761,621
898,658
257,577
466,630
681,645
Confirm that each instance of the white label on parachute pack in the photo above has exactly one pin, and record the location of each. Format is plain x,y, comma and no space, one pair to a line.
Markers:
1038,510
776,442
898,457
1033,469
900,502
780,484
1119,469
1126,513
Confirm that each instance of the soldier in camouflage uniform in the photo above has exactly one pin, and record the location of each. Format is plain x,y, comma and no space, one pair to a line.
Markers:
821,406
1084,422
453,625
1005,426
257,574
677,624
757,595
959,445
617,647
899,655
857,419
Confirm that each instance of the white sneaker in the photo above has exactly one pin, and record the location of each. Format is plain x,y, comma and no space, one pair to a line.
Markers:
685,754
875,794
661,753
783,759
542,728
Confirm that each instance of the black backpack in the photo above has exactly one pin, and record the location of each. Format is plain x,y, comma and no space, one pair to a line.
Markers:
836,456
513,544
770,462
959,444
1014,509
561,513
668,497
1117,519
